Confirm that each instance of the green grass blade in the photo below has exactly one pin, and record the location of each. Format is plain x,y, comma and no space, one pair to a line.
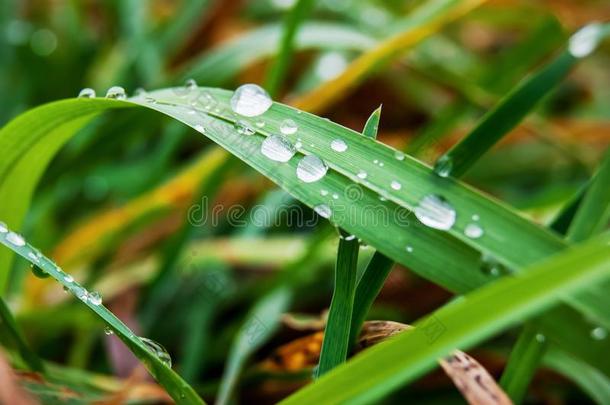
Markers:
460,324
11,330
506,115
592,213
295,17
336,342
175,386
523,362
372,124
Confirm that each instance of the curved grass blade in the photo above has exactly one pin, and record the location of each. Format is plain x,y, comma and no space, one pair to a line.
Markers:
461,324
423,22
295,17
177,388
508,113
335,344
223,63
11,331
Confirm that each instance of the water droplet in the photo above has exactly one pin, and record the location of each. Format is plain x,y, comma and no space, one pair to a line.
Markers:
443,166
298,145
288,127
475,217
362,174
376,161
199,128
350,237
260,124
116,92
86,93
95,298
244,128
158,350
139,92
38,272
473,231
108,331
323,210
491,266
250,100
324,192
599,333
381,164
585,40
409,248
15,239
278,148
311,168
3,227
191,84
68,278
436,212
395,185
540,338
399,155
34,257
335,196
338,145
80,292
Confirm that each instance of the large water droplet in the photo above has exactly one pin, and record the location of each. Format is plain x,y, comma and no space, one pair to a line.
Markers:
3,227
443,166
323,210
158,350
15,239
86,93
473,231
436,212
116,92
278,148
288,127
586,40
95,298
395,185
38,272
250,100
599,333
244,128
338,145
311,168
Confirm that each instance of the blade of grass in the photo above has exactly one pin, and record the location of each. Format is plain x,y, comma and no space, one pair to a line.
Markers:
278,70
523,362
461,324
335,344
10,329
176,387
507,114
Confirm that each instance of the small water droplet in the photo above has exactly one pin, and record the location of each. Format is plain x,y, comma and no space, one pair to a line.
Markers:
95,298
139,92
362,174
376,161
338,145
473,231
381,164
260,124
15,239
86,93
475,217
278,148
435,212
158,350
108,331
491,266
68,278
116,92
599,333
191,84
288,127
34,257
3,227
540,338
199,128
80,292
585,40
38,272
335,196
244,128
323,210
250,100
311,168
409,248
399,155
350,237
324,192
443,166
298,145
395,185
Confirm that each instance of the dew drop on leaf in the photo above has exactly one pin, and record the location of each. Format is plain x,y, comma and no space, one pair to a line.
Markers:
338,145
311,168
191,84
288,127
443,166
599,333
362,174
108,331
244,128
323,210
15,239
158,350
399,155
250,100
95,298
473,231
86,93
435,212
586,40
68,278
38,272
395,185
278,148
116,92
